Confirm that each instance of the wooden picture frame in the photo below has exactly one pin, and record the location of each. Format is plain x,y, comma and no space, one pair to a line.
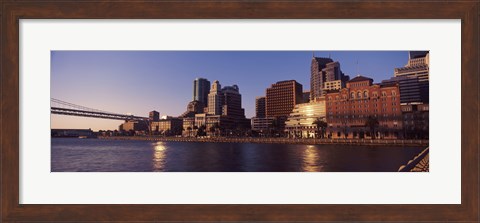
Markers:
12,11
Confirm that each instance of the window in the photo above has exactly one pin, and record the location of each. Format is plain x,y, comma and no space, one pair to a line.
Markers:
359,94
352,95
384,94
365,94
394,93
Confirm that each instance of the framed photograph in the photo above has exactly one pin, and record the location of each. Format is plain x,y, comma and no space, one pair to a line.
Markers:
239,111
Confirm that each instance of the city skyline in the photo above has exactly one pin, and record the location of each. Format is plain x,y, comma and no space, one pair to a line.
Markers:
138,82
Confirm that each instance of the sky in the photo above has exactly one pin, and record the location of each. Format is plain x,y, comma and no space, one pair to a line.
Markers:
137,82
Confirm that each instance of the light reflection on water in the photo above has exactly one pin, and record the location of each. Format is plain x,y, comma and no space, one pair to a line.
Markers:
159,155
96,155
310,159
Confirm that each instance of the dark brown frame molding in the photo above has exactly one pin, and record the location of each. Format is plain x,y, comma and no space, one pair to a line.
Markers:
12,11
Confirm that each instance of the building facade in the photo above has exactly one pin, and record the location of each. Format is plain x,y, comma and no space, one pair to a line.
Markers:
231,103
262,124
281,97
333,85
352,110
417,67
153,116
215,99
306,96
167,127
260,107
324,70
410,88
301,122
201,89
416,121
137,126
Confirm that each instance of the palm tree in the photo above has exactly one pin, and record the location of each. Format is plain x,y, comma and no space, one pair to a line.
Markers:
201,130
212,130
372,123
321,126
274,128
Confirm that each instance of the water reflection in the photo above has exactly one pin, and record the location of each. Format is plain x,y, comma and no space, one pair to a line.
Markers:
310,159
93,155
159,155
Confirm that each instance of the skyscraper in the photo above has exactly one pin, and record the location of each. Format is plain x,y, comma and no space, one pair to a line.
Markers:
317,77
232,102
281,97
324,71
201,88
413,78
215,99
226,101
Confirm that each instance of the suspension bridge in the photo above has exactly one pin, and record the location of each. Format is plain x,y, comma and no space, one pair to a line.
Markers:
60,107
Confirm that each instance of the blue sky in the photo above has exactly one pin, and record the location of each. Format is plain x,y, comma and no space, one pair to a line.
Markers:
140,81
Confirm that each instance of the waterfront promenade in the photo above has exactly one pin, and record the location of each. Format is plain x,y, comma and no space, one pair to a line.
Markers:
382,142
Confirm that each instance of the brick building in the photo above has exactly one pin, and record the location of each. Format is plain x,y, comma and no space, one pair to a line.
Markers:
349,109
281,98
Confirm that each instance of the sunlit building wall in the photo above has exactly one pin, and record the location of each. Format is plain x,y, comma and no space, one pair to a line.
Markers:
317,76
281,98
333,85
349,109
324,70
215,99
169,126
300,123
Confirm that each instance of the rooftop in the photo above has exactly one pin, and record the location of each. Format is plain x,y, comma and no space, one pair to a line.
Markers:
360,78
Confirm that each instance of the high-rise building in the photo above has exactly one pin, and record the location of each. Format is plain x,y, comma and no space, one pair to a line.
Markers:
215,99
281,98
317,77
226,101
410,92
201,89
324,70
417,67
223,111
260,107
153,116
349,109
232,102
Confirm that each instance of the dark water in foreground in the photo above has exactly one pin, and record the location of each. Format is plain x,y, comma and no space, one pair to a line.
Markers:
96,155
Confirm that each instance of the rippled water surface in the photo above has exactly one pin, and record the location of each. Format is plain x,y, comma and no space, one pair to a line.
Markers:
97,155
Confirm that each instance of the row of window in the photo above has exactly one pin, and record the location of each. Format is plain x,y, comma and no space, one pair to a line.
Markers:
359,95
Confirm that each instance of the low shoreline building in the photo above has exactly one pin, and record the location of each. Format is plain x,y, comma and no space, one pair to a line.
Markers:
301,122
